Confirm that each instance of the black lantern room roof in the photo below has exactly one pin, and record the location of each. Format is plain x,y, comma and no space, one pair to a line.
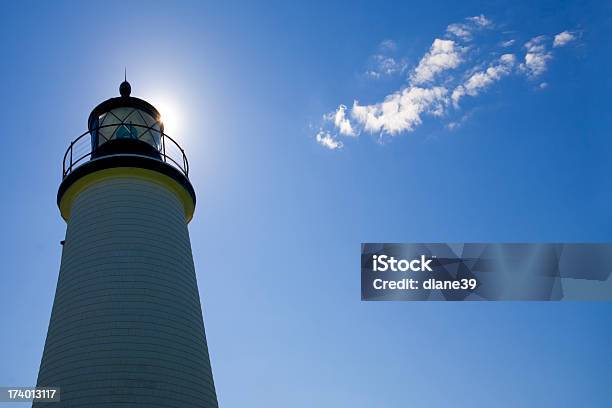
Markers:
123,101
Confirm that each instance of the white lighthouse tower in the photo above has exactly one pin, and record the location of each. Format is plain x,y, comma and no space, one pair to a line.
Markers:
126,328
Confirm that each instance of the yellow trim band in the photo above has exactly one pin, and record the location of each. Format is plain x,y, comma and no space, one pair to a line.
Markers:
81,184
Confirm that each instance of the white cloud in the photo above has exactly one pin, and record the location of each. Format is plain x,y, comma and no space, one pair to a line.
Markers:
481,21
385,66
563,38
468,69
536,58
326,139
481,80
443,55
464,31
459,30
400,111
340,121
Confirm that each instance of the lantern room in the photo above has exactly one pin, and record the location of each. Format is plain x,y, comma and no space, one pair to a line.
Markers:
122,131
125,124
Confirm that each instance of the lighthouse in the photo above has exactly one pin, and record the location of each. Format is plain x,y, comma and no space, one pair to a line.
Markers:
126,328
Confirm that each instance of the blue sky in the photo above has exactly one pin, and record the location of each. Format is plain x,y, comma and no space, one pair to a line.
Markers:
246,88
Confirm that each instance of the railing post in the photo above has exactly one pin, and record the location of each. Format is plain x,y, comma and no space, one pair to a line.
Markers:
71,144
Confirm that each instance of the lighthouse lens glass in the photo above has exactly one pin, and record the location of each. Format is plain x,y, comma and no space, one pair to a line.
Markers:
128,123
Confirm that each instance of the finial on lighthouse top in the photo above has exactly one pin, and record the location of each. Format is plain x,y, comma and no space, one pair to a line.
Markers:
125,89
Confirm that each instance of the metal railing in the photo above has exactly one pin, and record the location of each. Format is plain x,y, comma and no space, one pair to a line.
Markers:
81,149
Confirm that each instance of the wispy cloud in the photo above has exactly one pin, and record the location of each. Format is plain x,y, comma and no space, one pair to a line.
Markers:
563,38
453,125
326,139
442,55
460,64
384,63
388,45
400,111
480,21
537,57
340,121
464,30
385,66
459,30
481,80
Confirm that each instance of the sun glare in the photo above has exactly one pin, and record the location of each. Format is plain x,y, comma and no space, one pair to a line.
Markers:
170,114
